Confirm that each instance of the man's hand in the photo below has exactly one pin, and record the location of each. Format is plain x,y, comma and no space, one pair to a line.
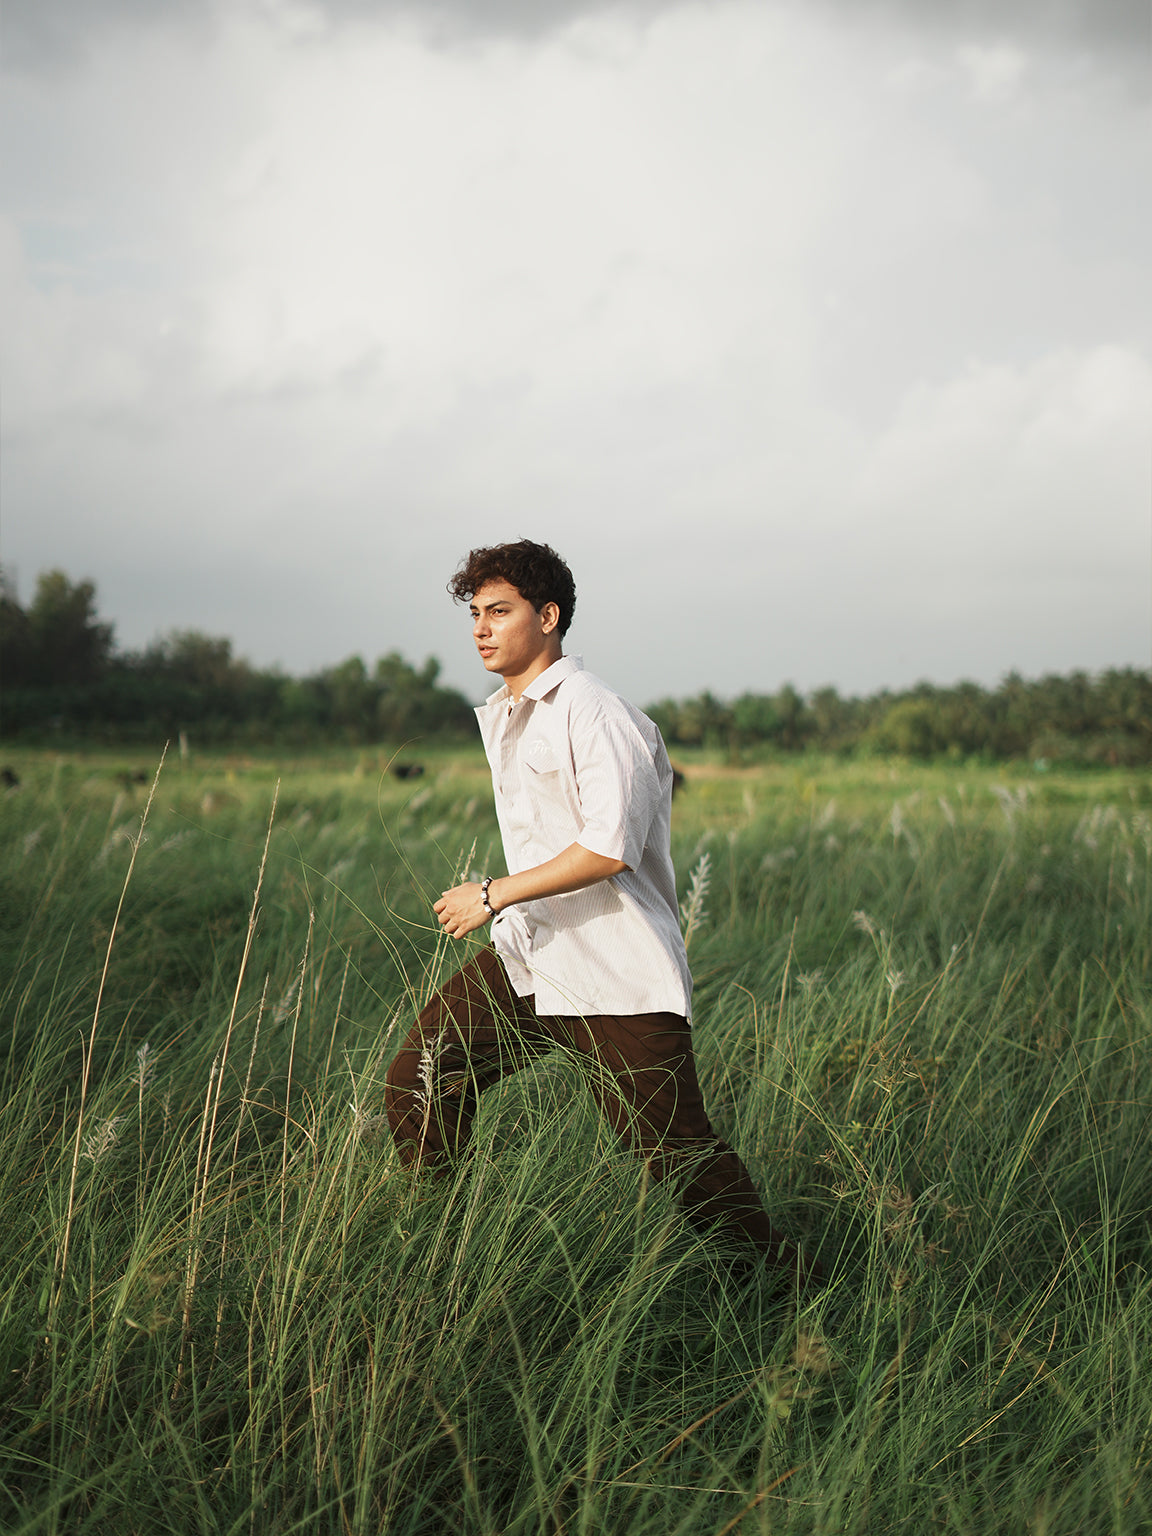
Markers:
460,910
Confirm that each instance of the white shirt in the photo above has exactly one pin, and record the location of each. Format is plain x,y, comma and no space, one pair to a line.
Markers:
573,762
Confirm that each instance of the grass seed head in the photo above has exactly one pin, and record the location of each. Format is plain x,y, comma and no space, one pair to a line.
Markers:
284,1006
145,1070
426,1071
811,1354
692,909
101,1138
366,1126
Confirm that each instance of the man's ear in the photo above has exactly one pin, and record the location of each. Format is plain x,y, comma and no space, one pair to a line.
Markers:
549,617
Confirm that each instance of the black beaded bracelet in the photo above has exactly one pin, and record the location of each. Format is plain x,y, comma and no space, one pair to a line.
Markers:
484,884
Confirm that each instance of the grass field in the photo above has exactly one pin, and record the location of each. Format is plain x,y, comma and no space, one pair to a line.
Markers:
922,1014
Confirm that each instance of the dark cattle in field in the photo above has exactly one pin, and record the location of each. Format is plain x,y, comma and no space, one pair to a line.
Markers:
407,770
678,780
8,775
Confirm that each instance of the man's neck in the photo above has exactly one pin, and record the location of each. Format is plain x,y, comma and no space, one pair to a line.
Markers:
516,685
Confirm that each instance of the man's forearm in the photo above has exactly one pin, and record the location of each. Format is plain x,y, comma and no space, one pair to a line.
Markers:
573,870
461,910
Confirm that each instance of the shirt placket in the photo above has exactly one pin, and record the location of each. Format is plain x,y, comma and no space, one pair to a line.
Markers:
510,788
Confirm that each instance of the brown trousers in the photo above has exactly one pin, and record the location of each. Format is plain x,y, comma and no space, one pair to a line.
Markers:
640,1068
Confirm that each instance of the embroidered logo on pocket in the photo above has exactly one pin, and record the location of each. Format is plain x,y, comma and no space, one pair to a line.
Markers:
540,757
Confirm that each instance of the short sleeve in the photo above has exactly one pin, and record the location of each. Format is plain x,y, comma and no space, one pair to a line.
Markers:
617,784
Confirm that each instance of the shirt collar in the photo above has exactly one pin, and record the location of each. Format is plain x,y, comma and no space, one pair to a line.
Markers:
543,685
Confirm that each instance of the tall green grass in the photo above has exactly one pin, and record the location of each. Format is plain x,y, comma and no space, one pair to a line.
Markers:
922,1014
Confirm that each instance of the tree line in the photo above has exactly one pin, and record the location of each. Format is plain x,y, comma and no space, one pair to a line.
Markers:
1103,719
63,677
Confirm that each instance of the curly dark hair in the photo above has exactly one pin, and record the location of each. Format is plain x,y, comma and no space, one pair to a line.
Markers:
535,570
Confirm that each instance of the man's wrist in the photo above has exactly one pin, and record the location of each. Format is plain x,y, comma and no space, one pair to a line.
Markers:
485,885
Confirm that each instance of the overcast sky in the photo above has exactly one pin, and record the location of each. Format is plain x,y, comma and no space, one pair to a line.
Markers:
815,336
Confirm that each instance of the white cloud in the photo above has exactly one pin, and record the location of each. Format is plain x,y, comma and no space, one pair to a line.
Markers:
1045,434
994,72
299,312
1013,508
570,215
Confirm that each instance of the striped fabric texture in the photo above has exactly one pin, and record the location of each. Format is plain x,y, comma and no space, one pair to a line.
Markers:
573,762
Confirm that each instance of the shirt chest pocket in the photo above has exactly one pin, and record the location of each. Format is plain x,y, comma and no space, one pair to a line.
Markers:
542,777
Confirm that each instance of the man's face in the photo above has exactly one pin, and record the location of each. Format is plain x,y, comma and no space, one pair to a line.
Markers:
511,637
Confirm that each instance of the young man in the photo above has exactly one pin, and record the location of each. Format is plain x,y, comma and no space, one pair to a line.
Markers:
586,949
